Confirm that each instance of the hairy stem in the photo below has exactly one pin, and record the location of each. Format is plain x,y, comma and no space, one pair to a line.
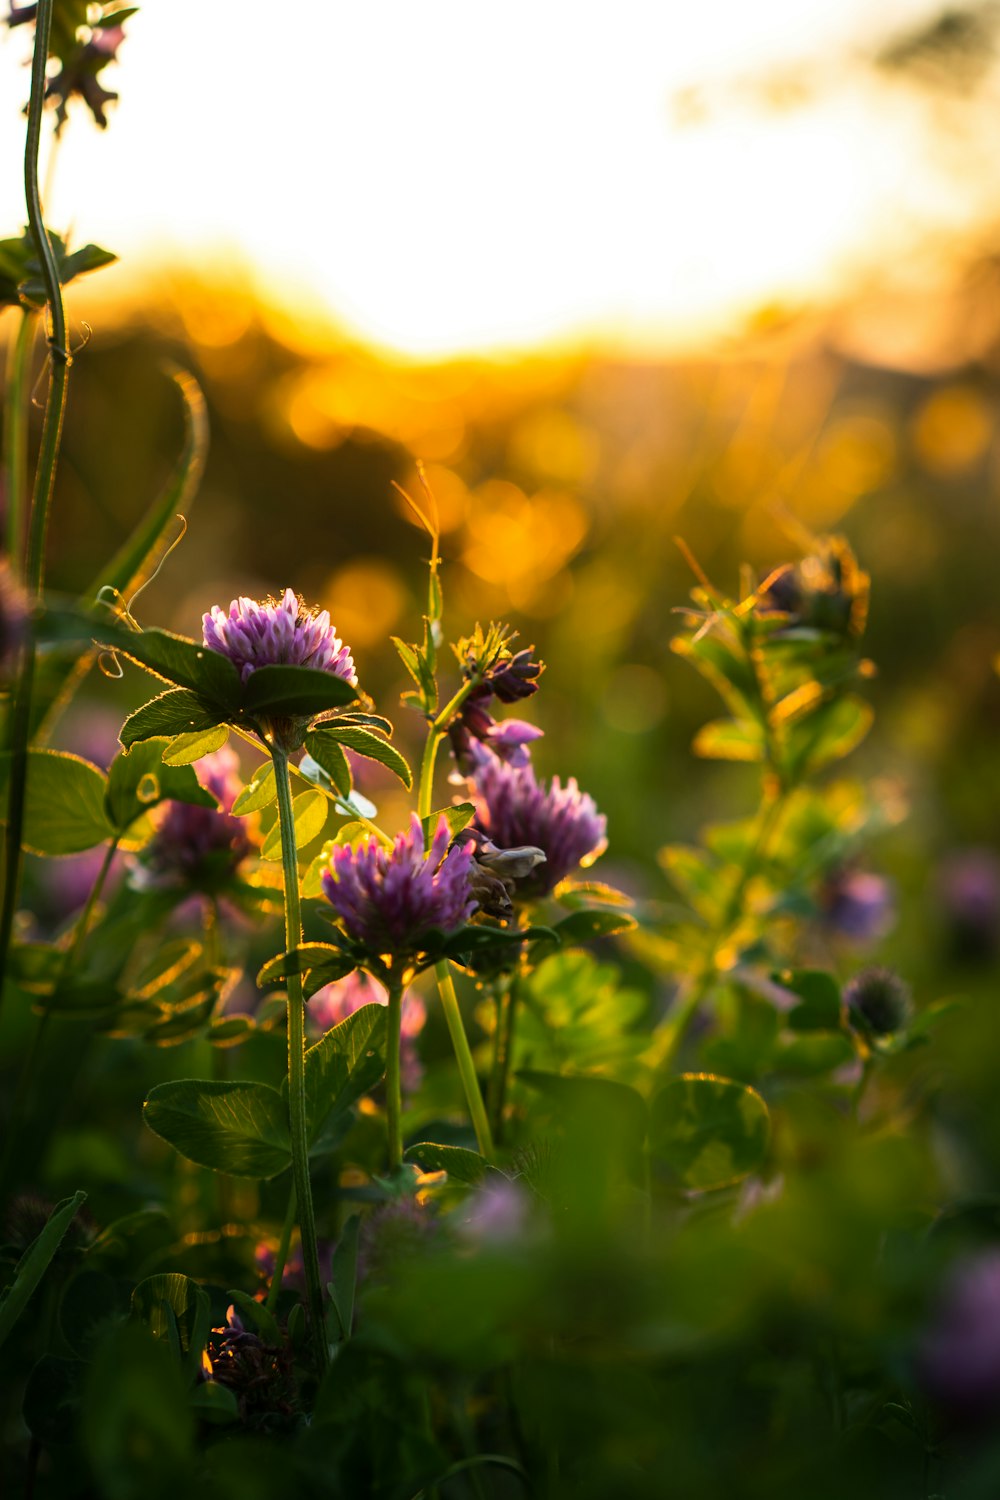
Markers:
45,474
297,1062
393,1091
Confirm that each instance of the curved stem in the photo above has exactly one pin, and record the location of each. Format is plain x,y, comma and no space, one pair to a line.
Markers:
15,429
45,473
463,1056
297,1062
393,1091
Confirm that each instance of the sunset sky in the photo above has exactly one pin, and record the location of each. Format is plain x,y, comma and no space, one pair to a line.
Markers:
454,177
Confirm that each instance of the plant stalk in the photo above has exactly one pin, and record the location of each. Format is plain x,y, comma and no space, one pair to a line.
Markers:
15,429
281,1255
45,473
297,1061
393,1090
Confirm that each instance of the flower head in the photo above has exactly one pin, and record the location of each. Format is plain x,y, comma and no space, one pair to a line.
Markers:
335,1002
878,1001
387,898
959,1355
968,892
200,844
858,904
271,632
516,810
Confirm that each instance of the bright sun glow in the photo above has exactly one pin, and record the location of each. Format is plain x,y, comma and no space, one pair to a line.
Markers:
457,177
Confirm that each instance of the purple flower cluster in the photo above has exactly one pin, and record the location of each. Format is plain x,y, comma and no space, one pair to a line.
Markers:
193,845
271,632
510,679
335,1002
515,810
387,898
858,905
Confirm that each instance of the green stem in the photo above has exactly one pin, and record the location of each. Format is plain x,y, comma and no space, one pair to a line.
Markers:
297,1061
507,1056
15,467
281,1254
393,1091
688,1003
463,1056
45,474
446,986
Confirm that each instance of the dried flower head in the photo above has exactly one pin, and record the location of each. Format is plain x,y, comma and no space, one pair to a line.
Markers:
388,898
272,632
200,845
335,1002
518,811
878,1001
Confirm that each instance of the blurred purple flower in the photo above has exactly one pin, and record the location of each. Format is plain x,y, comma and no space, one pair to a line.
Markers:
515,810
392,1235
13,621
335,1002
968,887
495,1214
269,632
858,904
197,844
958,1357
387,898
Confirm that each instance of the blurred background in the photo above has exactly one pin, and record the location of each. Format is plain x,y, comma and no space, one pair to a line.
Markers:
723,272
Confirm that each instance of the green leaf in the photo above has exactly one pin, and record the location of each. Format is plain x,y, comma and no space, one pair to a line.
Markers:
457,818
91,1303
136,1426
330,758
174,658
461,1165
599,1103
730,739
51,1402
710,1132
235,1127
229,1031
290,692
139,779
185,748
586,926
255,1315
362,742
343,1065
344,1271
215,1403
827,734
35,1262
309,812
260,792
814,1052
579,894
64,804
367,721
695,874
303,959
178,711
819,992
171,1301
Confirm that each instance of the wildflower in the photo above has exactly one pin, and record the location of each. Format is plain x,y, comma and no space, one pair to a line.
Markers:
13,622
258,1374
335,1002
857,904
392,1236
271,632
200,845
825,591
496,1214
878,1001
969,898
495,872
516,811
958,1358
499,674
388,898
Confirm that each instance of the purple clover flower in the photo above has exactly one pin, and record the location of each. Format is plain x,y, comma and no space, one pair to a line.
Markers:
335,1002
271,632
515,809
958,1358
195,844
858,904
387,898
